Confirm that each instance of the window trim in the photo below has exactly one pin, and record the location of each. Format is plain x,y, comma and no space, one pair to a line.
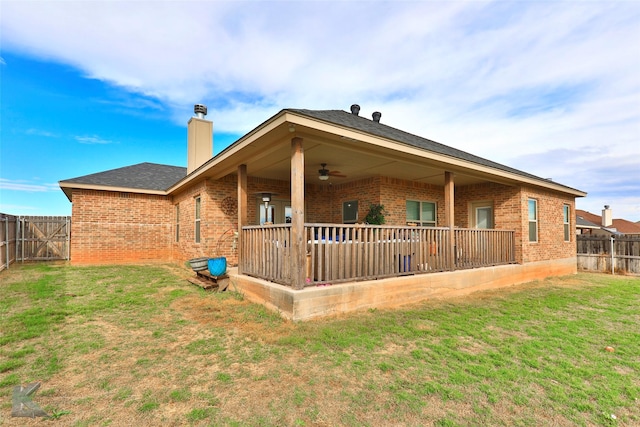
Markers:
566,222
535,221
420,221
198,214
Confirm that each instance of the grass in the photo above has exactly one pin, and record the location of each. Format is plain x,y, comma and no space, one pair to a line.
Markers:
138,345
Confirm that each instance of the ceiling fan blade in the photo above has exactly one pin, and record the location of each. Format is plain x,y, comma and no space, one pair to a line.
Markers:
337,174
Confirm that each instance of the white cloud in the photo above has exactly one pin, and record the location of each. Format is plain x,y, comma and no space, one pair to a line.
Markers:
22,185
40,132
92,140
511,81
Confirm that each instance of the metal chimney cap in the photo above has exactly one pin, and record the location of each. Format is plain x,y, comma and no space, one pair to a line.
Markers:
355,109
606,206
376,116
200,110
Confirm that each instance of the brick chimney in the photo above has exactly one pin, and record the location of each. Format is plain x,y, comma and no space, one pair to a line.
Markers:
607,219
199,139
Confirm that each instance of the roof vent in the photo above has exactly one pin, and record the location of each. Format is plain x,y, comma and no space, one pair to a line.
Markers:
376,116
355,109
200,110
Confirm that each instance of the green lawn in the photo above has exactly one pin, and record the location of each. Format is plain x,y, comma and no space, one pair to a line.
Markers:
139,345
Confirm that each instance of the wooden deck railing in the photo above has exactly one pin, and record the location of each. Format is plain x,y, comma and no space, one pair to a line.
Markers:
483,248
339,253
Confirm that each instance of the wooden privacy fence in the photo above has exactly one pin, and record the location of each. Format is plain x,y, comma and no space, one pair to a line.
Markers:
34,238
338,253
609,254
7,240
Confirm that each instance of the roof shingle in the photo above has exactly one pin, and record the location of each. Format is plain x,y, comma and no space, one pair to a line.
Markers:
343,118
143,176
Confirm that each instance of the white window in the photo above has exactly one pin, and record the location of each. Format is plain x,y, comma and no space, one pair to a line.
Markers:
350,212
421,213
533,220
566,211
197,224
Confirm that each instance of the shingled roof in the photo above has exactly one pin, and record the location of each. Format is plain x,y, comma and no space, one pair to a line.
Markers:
621,225
350,120
156,177
143,176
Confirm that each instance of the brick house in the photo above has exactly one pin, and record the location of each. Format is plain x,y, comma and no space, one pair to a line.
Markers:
286,204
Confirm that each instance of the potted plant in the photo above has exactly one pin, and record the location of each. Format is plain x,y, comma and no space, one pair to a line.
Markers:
375,215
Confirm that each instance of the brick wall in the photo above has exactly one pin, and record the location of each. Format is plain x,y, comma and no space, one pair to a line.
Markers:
217,226
112,227
507,209
394,194
551,244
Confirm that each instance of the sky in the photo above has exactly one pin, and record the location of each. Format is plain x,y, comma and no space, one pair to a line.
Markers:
548,87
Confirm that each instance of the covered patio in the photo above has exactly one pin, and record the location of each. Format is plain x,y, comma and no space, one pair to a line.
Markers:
300,253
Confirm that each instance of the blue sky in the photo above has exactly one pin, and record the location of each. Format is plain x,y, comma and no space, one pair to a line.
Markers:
552,88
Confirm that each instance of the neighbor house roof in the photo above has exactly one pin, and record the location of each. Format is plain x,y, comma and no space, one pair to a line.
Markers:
148,177
620,225
583,223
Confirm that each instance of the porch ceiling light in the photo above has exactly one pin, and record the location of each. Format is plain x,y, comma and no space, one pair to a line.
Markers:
323,177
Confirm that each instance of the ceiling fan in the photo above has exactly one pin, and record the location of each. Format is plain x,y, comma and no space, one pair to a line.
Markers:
324,173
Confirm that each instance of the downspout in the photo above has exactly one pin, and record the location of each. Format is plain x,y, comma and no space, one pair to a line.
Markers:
68,239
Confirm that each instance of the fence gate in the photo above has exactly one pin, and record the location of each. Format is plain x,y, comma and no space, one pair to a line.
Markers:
43,238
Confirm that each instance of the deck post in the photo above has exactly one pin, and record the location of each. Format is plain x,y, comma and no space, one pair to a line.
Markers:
298,247
450,217
242,210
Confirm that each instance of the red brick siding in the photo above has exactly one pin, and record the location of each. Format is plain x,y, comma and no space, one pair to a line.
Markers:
551,244
108,227
394,194
112,227
507,210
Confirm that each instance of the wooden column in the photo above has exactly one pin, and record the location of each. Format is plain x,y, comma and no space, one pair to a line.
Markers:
242,209
449,216
298,246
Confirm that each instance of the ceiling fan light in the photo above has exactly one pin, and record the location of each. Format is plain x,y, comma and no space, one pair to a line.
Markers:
323,177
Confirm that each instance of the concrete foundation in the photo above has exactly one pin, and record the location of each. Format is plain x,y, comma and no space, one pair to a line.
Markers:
322,301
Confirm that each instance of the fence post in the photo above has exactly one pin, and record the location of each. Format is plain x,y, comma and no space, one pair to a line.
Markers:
6,235
613,270
21,240
16,236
